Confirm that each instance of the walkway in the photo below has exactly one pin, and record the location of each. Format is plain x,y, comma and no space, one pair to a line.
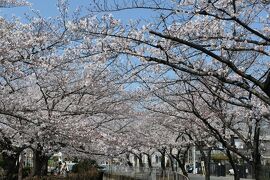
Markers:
200,177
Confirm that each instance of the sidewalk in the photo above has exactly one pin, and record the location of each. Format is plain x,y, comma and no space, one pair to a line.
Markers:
201,177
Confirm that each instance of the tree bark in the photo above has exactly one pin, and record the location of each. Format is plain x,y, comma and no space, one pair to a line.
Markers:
171,161
10,165
20,171
266,83
206,158
182,167
207,164
40,163
128,161
180,160
234,166
162,162
256,164
140,157
149,160
141,165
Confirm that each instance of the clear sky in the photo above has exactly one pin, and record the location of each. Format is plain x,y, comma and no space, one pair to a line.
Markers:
48,8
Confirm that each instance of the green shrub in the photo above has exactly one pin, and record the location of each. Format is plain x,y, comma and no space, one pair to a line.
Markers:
84,166
26,171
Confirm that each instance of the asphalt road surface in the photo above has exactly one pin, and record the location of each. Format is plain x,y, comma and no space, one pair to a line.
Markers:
200,177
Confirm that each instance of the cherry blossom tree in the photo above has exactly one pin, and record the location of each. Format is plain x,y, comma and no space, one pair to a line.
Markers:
13,3
222,44
214,118
51,92
199,61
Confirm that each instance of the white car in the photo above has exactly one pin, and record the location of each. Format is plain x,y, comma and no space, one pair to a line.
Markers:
70,166
231,172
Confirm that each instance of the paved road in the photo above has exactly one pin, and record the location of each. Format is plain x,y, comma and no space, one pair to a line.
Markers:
200,177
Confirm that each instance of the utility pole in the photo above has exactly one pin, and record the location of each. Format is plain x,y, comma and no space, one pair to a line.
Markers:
194,159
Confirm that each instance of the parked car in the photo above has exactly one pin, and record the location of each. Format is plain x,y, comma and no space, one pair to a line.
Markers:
231,171
70,166
190,167
103,167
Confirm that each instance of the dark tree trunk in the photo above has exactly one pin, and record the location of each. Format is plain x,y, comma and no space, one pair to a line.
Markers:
40,163
162,160
181,160
256,164
206,158
20,171
163,163
182,167
172,163
207,164
141,165
140,157
234,166
266,88
10,165
149,160
128,161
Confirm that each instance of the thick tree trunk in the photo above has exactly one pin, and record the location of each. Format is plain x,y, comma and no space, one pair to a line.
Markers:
235,168
141,165
180,160
135,161
266,88
40,163
162,162
206,158
256,164
128,161
20,171
10,165
149,161
140,157
172,163
182,167
207,164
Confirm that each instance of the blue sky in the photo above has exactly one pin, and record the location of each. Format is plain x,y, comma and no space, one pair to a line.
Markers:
48,8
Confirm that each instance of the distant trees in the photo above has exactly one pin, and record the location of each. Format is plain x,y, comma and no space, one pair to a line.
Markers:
12,3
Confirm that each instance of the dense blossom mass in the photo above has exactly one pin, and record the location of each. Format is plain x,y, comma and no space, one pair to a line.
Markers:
94,85
13,3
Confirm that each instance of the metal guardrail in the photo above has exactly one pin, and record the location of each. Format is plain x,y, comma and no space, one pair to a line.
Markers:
142,173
